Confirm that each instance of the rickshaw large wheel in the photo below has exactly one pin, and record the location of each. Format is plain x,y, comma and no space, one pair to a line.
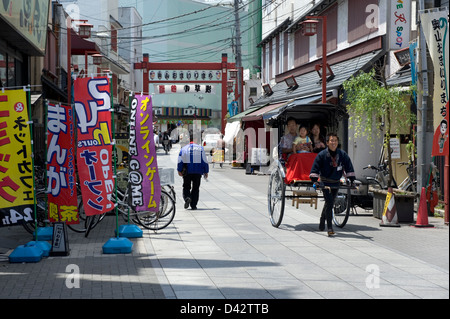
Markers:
276,198
341,209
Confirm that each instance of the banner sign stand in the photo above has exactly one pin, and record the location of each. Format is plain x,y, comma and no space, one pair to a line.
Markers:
32,251
60,243
116,245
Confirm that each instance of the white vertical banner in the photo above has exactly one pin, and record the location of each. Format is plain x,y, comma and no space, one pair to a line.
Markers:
399,24
435,29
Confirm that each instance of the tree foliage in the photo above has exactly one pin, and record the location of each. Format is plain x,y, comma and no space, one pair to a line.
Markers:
372,105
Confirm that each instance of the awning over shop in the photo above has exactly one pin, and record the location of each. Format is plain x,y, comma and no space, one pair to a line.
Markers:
231,131
259,114
306,100
239,116
310,84
80,46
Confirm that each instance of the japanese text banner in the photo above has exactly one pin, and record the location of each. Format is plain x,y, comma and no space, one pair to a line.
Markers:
435,29
16,166
94,143
144,182
61,179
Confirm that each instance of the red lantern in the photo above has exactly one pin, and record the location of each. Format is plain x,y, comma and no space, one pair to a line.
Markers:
230,85
309,27
84,30
233,74
97,59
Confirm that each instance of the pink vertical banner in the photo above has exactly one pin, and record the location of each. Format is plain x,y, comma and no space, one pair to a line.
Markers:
94,144
61,177
144,182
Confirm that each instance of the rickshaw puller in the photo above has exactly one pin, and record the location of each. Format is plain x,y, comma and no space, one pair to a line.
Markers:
330,164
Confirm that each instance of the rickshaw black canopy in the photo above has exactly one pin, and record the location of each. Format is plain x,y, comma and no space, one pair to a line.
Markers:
327,115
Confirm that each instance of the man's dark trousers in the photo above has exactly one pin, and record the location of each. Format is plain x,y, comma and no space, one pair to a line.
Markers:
327,212
191,187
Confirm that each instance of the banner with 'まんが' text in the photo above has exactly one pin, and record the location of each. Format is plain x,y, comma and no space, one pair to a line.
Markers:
61,178
16,165
94,143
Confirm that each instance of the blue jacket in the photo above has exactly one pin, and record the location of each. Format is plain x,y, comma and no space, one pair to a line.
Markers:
329,172
194,156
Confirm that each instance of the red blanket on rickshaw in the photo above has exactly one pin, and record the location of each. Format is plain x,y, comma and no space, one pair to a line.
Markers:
298,167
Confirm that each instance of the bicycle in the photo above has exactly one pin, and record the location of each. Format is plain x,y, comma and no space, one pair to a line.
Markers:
409,183
150,219
86,223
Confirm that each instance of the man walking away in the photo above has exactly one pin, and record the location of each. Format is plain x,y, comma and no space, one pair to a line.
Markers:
192,164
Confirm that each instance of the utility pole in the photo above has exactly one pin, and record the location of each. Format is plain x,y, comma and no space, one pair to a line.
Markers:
238,94
422,154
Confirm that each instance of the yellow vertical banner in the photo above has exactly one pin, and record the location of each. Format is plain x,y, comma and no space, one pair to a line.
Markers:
16,165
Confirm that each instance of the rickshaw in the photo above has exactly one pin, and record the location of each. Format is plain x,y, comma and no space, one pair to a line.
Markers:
289,178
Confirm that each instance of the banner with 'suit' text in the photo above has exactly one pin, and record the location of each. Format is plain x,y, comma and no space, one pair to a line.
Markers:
16,165
144,182
435,29
61,178
94,143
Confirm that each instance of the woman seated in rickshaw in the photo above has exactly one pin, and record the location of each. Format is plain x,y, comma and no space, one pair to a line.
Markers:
317,139
301,159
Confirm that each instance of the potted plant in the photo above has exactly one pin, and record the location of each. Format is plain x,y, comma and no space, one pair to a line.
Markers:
376,108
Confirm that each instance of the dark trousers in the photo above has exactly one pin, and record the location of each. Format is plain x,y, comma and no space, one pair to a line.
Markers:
191,187
327,212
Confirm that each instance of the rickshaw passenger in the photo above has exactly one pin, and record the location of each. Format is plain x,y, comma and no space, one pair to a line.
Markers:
329,165
302,144
288,138
318,142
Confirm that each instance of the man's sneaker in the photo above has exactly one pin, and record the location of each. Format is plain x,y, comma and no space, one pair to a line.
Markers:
331,233
187,201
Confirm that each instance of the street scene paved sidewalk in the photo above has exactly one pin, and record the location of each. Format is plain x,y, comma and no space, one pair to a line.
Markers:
228,249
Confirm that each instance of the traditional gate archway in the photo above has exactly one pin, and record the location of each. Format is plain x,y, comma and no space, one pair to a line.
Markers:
186,78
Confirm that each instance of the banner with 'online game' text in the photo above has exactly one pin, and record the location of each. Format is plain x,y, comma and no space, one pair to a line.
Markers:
144,181
94,143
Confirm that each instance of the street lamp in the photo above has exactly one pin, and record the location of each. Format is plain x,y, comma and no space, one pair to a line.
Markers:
230,86
319,70
267,89
96,57
233,74
309,28
84,29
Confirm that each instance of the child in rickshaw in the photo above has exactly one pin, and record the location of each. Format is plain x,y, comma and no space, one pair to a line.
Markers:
302,144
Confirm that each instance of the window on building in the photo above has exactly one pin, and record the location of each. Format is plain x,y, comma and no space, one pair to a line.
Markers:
113,39
2,70
301,51
253,91
358,13
274,58
281,53
266,62
331,15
